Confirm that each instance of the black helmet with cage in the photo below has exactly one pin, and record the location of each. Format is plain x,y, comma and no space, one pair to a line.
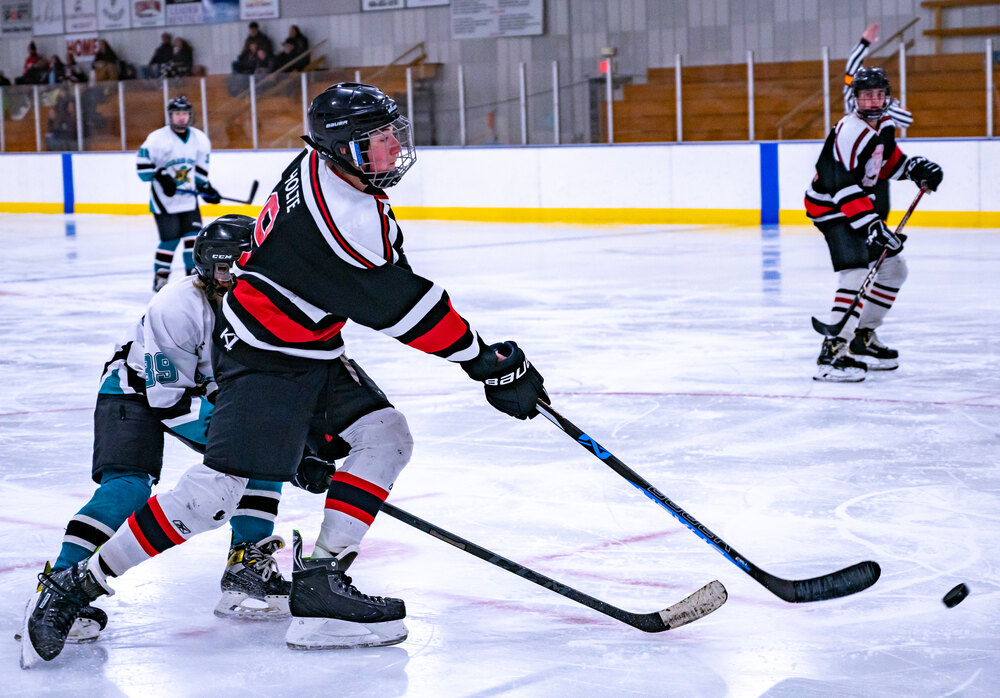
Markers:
342,121
870,79
182,105
218,245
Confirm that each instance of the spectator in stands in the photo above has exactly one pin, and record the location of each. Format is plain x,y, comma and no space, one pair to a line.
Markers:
57,71
161,56
258,37
4,80
181,61
263,63
300,44
61,128
105,62
246,62
73,72
285,62
36,68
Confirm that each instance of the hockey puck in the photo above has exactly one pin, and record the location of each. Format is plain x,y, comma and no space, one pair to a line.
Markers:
955,596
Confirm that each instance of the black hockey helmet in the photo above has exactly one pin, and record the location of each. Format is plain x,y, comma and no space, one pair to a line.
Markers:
219,244
870,79
180,104
343,119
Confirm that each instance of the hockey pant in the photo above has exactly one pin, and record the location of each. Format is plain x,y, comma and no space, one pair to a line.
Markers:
381,446
202,500
873,306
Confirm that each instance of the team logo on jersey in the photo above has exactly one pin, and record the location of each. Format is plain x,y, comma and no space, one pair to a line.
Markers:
873,166
228,338
181,174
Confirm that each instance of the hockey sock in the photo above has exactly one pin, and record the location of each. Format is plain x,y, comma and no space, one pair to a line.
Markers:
189,250
255,514
164,256
882,294
380,447
849,281
115,499
202,500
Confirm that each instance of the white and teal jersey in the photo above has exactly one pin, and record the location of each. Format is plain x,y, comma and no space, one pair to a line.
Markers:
184,159
167,356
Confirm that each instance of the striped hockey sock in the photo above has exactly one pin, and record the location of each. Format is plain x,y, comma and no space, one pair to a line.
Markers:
256,512
351,506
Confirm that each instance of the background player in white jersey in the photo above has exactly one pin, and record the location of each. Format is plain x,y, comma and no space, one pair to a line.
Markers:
326,249
849,202
174,160
895,111
159,381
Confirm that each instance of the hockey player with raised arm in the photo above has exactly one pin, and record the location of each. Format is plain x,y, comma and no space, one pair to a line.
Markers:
159,381
848,201
895,111
326,249
174,160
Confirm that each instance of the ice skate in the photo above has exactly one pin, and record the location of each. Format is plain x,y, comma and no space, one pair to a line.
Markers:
252,585
88,625
328,612
835,366
867,347
49,616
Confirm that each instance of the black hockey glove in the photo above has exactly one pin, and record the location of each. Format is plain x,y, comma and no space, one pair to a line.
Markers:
923,171
314,475
512,384
208,193
167,183
879,234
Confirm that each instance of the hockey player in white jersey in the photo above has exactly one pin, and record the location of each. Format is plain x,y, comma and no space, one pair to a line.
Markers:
159,381
174,160
848,201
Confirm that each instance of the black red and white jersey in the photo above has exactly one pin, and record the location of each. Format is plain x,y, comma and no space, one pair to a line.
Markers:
323,253
855,158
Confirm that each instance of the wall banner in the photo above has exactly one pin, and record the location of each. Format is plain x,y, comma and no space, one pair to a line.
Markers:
113,14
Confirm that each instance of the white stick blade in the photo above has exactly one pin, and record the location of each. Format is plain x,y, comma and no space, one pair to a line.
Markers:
702,602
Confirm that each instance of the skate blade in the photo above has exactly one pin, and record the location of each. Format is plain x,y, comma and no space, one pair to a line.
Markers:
28,658
875,364
234,604
335,634
831,375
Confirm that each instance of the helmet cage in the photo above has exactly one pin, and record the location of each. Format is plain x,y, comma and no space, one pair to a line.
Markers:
871,79
360,149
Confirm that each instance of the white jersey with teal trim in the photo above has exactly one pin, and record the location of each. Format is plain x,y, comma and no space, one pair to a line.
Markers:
167,357
184,159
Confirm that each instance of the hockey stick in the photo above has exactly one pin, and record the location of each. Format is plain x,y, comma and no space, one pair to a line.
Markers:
835,329
707,599
849,580
248,200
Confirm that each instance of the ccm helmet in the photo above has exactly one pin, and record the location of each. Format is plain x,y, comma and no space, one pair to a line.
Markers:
180,104
870,79
343,121
219,244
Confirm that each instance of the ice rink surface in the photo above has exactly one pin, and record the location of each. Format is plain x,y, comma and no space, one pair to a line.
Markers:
685,350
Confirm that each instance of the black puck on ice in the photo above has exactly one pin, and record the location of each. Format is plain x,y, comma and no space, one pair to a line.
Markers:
955,596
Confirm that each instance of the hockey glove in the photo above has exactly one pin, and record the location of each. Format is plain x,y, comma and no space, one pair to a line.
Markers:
924,172
314,475
512,384
167,183
879,234
208,193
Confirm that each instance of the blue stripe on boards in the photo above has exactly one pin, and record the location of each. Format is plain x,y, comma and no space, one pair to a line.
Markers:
67,172
768,183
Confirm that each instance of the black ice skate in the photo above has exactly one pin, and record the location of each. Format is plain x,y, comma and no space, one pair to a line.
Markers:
877,356
50,614
835,366
252,585
328,612
88,624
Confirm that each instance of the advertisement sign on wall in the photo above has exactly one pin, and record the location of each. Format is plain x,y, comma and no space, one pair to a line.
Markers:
80,16
113,14
489,19
259,9
147,13
82,46
15,16
48,17
185,12
220,11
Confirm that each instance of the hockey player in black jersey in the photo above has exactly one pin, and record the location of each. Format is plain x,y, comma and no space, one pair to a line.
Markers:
848,201
326,249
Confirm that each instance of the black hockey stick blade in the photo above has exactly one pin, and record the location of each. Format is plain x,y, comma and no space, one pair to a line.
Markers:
845,582
253,191
699,604
248,200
